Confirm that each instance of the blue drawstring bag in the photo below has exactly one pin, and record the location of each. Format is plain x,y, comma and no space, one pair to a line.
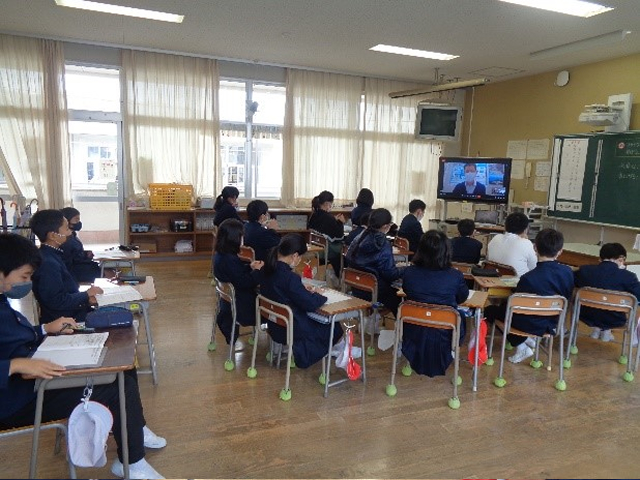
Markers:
109,317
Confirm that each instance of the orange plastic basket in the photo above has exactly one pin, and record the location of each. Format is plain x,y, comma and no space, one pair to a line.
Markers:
170,196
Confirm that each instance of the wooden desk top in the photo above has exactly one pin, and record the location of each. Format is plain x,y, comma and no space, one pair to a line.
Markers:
115,254
120,354
342,307
146,289
496,282
578,254
477,300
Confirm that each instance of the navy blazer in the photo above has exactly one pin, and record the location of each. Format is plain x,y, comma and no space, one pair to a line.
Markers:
465,249
310,338
78,263
56,290
411,229
18,339
606,275
225,211
547,278
357,212
327,224
260,239
440,287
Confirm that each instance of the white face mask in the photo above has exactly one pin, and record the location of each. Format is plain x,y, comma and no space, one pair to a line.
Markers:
470,177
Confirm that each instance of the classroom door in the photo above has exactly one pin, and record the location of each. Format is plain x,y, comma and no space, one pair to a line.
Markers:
96,172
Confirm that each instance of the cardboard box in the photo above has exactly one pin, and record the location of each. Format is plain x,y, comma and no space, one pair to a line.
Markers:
148,246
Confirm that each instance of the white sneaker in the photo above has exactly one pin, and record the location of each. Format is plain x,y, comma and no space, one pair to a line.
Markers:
595,333
151,440
139,470
607,336
523,351
530,342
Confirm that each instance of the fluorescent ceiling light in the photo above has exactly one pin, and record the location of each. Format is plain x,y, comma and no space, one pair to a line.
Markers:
587,43
412,52
577,8
120,10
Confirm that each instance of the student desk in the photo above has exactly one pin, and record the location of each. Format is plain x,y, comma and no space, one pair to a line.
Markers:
116,258
119,357
336,312
148,292
477,300
578,254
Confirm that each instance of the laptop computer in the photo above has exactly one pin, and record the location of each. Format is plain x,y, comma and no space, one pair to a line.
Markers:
486,216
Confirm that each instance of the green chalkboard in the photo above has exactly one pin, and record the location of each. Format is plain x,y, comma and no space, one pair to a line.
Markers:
596,178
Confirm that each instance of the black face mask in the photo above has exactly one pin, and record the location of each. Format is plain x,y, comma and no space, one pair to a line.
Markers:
76,227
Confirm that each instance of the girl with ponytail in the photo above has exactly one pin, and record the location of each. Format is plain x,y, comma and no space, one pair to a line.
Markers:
225,206
330,226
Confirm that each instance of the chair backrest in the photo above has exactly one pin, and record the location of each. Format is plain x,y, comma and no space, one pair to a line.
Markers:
273,311
464,268
401,243
529,304
610,300
501,268
361,280
226,292
247,254
429,315
316,238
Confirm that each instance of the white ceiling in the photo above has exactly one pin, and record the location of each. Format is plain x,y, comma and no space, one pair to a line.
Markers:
335,35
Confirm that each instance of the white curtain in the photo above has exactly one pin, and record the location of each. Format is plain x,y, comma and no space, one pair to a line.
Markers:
397,167
34,138
322,139
171,119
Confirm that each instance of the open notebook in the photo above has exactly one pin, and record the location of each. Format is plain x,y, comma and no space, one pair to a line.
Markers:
82,350
114,294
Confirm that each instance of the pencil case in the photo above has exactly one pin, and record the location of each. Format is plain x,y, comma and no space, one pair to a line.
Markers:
484,272
109,317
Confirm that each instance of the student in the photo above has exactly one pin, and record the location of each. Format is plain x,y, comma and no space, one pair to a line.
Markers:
79,261
609,274
410,227
331,226
364,204
54,287
260,231
228,267
278,282
548,278
464,248
372,252
19,339
431,279
225,206
469,186
353,234
513,247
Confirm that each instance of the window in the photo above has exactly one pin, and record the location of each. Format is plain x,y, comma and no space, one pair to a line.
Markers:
251,125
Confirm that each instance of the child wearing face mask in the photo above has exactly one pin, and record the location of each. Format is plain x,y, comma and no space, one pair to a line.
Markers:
278,282
609,274
411,228
53,285
260,231
79,261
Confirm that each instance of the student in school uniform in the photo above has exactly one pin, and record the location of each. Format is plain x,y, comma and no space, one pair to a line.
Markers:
513,247
548,278
19,339
464,248
54,287
332,226
431,279
364,204
372,252
410,227
79,261
353,234
609,274
260,230
278,282
225,206
228,267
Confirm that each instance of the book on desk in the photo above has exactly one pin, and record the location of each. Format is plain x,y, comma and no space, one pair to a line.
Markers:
85,350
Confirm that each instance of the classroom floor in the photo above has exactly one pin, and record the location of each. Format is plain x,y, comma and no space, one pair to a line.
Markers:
221,424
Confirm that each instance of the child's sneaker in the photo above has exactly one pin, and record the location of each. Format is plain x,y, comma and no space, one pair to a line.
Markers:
595,333
530,342
523,351
607,336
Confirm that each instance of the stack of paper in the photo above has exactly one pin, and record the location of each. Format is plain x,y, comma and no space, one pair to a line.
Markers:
118,294
73,350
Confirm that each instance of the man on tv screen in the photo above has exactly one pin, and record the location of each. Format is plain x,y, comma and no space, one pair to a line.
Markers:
469,186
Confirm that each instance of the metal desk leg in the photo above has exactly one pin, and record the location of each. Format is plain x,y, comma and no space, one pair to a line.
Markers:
37,421
477,352
124,440
150,346
328,362
364,353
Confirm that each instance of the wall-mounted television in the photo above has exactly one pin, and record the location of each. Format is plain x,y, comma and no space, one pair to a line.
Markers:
438,122
474,179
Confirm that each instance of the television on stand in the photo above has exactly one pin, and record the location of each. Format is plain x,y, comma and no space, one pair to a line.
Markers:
474,179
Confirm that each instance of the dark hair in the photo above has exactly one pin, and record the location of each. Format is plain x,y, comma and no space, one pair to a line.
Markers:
416,204
470,165
45,221
70,212
466,226
364,219
549,242
365,197
378,218
15,252
612,251
289,244
434,251
256,209
229,236
325,196
227,192
516,222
